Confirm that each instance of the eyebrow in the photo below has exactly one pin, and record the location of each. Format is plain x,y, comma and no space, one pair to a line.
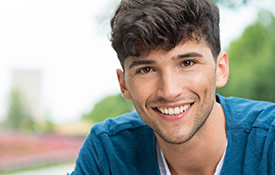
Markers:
188,55
141,62
181,56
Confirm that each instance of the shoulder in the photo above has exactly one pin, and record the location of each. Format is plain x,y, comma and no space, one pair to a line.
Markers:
245,113
113,145
114,126
250,129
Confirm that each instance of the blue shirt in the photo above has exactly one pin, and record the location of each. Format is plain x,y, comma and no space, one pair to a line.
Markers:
126,145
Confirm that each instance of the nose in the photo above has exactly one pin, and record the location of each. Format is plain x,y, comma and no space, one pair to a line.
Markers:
169,85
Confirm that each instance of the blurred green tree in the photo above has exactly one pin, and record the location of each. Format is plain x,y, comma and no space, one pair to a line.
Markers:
19,119
251,59
109,107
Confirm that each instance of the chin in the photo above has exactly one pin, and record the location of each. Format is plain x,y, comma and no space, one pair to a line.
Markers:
177,139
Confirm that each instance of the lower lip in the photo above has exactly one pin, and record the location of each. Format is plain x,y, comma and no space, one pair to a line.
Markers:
173,117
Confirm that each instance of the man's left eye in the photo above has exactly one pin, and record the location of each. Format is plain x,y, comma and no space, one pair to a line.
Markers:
187,63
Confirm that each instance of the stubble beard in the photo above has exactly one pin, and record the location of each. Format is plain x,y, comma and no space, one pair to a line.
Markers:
198,122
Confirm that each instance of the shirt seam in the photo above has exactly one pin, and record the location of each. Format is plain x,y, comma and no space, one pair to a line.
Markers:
120,131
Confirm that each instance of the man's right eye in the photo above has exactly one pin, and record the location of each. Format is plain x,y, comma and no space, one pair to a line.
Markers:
144,70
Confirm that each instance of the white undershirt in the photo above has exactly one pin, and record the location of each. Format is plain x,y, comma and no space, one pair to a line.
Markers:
164,169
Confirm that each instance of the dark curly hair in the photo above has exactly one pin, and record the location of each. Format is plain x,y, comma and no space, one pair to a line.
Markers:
139,26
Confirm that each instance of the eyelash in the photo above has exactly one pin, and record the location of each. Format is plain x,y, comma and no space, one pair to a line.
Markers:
142,70
145,70
190,63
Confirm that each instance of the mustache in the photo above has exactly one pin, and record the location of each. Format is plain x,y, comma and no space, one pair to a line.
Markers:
162,100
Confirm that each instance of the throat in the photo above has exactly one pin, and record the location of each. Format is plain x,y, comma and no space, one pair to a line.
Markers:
201,154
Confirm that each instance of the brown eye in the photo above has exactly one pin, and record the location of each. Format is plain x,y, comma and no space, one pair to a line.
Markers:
144,70
187,63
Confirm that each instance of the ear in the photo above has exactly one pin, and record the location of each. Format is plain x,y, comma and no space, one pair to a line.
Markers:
222,71
121,80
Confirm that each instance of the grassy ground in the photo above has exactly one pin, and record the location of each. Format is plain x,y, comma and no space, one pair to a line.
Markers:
56,169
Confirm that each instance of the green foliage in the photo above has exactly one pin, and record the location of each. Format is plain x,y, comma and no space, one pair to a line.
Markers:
19,118
109,107
251,59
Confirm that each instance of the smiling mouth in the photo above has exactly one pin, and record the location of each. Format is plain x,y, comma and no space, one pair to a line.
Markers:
173,111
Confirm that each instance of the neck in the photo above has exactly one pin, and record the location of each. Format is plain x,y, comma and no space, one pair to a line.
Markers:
202,153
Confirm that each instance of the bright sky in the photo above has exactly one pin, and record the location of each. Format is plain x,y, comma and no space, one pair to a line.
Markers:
62,39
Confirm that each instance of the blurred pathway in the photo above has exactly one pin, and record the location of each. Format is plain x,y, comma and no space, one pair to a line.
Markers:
54,170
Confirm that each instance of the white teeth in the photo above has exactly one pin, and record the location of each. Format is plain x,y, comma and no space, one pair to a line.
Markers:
177,110
181,109
162,110
171,111
166,111
174,111
186,107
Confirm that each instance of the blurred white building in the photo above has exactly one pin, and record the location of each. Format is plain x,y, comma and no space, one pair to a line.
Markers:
28,82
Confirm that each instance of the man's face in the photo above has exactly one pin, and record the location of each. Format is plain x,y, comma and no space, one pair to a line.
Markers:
174,91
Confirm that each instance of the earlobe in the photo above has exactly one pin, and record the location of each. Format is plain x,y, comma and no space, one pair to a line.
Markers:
222,72
123,88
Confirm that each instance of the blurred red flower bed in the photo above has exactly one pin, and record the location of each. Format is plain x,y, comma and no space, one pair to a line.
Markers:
18,150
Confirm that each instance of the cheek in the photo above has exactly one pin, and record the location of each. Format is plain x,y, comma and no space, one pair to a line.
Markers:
141,90
201,81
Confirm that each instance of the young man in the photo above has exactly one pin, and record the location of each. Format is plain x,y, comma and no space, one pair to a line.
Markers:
172,64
